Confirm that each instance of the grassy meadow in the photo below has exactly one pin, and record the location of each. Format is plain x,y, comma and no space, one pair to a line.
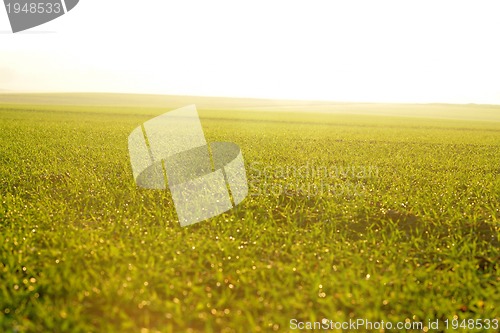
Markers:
381,212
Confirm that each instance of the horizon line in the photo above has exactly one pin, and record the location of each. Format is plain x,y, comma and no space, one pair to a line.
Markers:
17,92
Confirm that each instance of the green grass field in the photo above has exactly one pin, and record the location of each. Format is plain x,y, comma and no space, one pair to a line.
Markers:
381,212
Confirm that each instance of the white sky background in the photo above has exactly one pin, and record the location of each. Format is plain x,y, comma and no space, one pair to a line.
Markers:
379,51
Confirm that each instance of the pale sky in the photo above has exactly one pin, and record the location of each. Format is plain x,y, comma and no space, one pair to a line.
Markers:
368,51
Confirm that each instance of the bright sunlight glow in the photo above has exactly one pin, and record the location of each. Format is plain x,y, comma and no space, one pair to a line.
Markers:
368,51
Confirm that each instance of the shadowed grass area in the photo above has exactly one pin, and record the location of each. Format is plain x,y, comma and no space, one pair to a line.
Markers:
349,216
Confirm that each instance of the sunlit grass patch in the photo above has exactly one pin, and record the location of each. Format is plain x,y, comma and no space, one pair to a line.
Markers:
83,249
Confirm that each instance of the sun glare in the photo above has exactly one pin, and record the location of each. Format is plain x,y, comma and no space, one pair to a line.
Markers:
384,51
